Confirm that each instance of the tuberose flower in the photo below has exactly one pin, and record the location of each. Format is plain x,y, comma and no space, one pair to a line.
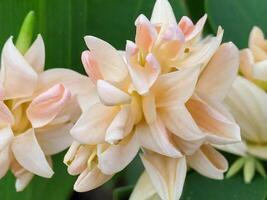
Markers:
38,108
162,95
246,101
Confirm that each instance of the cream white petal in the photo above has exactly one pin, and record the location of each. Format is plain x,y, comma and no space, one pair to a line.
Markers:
54,139
90,179
208,162
155,137
35,55
6,117
202,52
246,63
220,129
260,70
116,157
110,95
30,155
224,63
144,190
15,70
178,120
5,160
23,180
247,103
149,107
121,125
162,13
110,62
167,174
175,88
92,125
259,151
79,162
239,148
75,82
6,136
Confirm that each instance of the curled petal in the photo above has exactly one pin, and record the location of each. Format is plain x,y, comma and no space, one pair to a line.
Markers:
35,55
208,162
45,107
116,157
90,179
29,154
145,34
15,70
162,13
110,95
239,148
224,63
90,65
220,129
92,125
175,88
54,139
111,64
70,155
167,174
23,180
121,125
155,137
143,77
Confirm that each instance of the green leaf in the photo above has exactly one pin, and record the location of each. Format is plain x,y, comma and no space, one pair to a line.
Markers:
26,33
237,17
122,193
202,188
59,187
235,167
64,23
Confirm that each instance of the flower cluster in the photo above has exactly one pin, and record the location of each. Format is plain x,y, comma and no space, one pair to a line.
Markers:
169,95
160,95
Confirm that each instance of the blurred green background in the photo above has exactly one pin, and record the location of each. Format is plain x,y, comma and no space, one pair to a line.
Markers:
64,23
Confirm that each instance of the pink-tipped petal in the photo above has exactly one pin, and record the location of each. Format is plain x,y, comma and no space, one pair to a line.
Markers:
45,107
111,64
145,34
6,117
90,65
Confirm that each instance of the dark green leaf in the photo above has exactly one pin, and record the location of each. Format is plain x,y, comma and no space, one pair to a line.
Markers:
122,193
57,188
237,17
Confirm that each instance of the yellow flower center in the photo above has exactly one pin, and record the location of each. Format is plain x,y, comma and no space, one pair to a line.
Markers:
21,122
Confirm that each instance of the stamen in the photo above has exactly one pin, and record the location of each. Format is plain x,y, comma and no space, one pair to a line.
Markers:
90,161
